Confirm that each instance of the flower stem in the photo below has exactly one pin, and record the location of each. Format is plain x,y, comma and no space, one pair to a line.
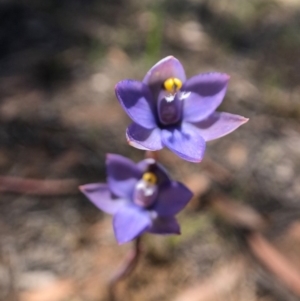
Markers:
152,155
125,270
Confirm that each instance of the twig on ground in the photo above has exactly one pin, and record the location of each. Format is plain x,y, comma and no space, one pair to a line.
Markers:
244,217
274,261
238,214
38,187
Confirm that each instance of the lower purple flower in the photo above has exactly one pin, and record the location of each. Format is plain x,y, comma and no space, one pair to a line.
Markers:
141,197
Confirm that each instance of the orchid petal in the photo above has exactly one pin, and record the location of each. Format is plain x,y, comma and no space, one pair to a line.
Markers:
122,175
137,101
100,196
185,142
172,199
169,67
130,222
203,93
165,225
218,125
142,138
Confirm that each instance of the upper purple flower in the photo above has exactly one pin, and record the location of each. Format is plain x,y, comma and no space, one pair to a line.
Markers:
141,197
168,110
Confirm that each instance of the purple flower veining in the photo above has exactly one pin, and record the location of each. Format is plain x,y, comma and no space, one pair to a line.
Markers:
141,197
168,110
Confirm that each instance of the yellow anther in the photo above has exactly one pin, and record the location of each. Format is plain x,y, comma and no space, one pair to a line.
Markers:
150,178
172,84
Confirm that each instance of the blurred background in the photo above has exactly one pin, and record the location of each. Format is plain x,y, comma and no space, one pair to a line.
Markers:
59,63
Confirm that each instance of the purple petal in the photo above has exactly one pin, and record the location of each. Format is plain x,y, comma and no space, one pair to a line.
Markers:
137,101
130,222
185,142
142,138
122,175
172,199
219,124
202,94
161,71
144,164
100,196
165,225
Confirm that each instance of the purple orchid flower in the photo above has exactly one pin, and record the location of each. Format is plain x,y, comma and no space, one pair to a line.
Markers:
141,197
168,110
